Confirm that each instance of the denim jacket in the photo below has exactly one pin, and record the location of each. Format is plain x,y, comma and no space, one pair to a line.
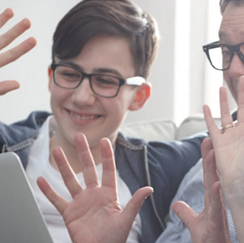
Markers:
139,163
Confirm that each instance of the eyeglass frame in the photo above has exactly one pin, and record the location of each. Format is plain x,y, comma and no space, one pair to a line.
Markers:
134,81
233,49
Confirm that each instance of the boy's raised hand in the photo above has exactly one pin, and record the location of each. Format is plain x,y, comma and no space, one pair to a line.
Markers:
17,51
94,215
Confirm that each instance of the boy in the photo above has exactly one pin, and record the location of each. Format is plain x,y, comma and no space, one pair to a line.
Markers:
102,53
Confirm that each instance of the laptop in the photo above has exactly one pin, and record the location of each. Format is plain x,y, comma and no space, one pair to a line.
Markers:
21,220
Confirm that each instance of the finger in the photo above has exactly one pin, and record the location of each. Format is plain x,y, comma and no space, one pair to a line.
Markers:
66,171
14,32
6,15
16,52
184,212
58,202
109,170
212,127
218,212
211,168
133,206
224,107
210,174
206,148
7,86
86,161
240,100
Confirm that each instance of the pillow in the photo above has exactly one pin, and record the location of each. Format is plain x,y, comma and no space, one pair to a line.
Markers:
192,125
151,130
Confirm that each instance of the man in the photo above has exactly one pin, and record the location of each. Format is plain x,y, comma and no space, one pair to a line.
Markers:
102,53
225,55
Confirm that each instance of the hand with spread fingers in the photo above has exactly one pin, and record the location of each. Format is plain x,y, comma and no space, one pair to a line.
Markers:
17,51
94,214
228,145
211,225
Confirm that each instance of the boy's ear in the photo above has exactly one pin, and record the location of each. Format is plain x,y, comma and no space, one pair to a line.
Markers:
142,95
50,77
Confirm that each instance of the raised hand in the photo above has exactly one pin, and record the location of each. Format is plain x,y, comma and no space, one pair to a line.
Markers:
229,153
228,146
16,52
211,225
94,215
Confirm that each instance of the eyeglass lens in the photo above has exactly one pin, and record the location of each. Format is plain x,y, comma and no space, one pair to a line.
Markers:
221,56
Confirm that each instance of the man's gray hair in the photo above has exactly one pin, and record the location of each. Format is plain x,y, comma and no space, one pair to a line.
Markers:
223,4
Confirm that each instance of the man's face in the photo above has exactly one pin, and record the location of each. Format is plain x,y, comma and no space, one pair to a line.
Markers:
232,33
80,110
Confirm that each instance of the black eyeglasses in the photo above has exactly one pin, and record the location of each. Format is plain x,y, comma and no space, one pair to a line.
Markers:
104,85
221,55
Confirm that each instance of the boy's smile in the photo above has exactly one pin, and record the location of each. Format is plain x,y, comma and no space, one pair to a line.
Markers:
83,117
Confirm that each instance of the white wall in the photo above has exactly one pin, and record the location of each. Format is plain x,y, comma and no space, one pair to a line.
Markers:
31,70
160,104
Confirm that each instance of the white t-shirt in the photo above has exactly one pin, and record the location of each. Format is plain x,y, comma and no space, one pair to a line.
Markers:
38,165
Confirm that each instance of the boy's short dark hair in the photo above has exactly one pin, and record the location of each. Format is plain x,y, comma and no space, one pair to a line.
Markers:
122,18
223,4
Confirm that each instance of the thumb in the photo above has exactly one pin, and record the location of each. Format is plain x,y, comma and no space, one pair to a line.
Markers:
184,212
133,206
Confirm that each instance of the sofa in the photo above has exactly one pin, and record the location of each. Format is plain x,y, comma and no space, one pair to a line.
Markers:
166,129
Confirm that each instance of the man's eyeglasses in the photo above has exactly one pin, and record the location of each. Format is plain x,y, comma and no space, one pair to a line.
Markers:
104,85
221,55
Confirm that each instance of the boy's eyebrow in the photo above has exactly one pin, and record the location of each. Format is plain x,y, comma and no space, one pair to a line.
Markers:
108,70
96,70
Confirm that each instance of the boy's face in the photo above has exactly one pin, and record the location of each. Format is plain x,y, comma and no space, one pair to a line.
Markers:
80,110
232,33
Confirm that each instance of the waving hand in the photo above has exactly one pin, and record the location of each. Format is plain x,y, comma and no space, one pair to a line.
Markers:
229,153
17,51
94,215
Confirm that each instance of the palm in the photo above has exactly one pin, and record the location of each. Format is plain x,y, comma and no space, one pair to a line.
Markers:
224,145
94,214
88,211
207,233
